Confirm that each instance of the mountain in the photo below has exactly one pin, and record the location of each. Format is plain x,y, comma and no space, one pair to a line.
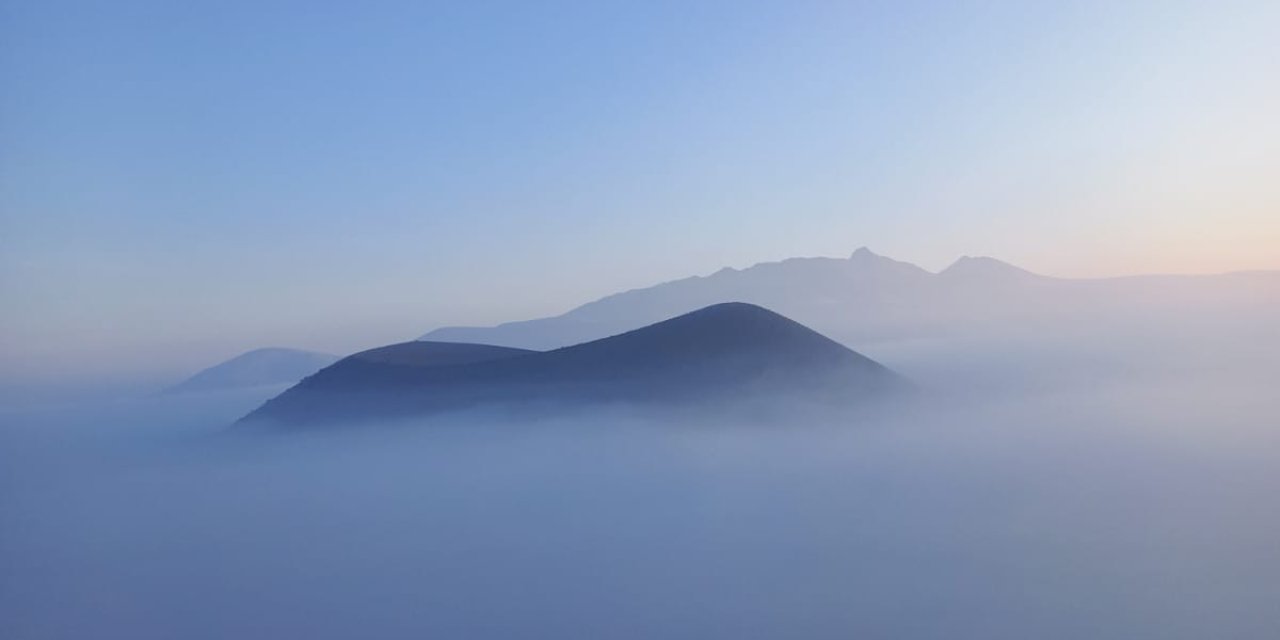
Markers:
260,367
798,288
725,353
428,354
873,301
988,271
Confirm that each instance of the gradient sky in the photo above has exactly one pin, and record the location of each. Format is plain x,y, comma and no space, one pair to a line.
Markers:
183,181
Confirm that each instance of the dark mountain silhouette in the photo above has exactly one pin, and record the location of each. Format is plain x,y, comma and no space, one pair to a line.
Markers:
433,354
724,353
260,367
390,366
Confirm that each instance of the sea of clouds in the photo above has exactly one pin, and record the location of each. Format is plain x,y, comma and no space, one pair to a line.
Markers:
1031,490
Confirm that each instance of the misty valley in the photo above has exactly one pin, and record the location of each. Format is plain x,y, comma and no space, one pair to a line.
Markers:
987,454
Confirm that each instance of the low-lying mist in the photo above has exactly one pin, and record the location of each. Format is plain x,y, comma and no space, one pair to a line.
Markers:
1027,497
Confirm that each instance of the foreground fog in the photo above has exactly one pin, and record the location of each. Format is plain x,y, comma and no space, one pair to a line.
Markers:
1033,496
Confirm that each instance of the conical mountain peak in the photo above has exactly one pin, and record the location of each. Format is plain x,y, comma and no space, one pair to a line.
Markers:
984,268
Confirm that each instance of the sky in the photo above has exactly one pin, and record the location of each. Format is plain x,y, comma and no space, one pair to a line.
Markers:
180,182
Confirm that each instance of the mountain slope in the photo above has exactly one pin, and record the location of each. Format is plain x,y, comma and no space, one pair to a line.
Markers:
388,367
260,367
723,353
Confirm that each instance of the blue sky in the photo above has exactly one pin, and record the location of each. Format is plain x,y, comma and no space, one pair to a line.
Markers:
183,181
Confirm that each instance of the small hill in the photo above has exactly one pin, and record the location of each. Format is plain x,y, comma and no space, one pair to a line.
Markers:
260,367
725,353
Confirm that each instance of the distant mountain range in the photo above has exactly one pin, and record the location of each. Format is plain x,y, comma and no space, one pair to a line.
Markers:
868,299
724,354
260,367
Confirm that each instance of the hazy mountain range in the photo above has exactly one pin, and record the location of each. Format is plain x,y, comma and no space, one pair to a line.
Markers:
870,301
725,354
867,299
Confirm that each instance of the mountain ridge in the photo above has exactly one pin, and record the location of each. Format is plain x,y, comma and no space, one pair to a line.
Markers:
729,352
869,299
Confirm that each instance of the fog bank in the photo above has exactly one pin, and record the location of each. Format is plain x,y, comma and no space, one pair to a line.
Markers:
1136,504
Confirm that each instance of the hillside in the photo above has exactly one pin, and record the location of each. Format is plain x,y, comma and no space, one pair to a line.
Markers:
724,353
